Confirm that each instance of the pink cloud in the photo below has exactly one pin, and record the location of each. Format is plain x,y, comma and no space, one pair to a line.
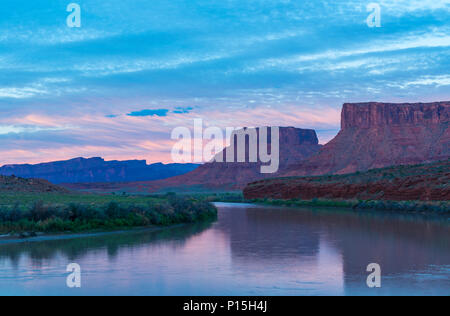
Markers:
127,137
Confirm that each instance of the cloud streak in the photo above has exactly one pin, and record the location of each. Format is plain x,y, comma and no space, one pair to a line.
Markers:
157,112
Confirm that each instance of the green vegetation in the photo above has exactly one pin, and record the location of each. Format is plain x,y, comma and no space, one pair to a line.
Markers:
227,197
436,207
223,197
301,203
33,213
28,199
442,207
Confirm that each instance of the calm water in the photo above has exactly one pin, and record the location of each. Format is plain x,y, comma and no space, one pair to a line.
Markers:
250,250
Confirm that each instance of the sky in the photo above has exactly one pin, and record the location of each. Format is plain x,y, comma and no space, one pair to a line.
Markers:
118,85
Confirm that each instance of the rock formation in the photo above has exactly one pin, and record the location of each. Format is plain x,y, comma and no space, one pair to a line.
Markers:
295,145
375,135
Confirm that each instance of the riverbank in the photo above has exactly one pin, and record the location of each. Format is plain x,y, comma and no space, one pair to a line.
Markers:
435,207
30,215
423,182
11,239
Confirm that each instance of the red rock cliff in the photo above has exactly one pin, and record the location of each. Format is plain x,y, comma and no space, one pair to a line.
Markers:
295,145
375,135
375,115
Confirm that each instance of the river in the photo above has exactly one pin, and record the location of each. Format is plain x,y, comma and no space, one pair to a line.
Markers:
249,250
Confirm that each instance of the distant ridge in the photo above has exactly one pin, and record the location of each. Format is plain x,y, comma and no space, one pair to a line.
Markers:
14,184
92,170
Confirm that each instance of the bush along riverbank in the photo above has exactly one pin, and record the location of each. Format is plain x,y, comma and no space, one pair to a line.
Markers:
44,215
435,207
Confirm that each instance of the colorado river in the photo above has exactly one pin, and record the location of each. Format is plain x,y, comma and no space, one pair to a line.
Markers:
249,250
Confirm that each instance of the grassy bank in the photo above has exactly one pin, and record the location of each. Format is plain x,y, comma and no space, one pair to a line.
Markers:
436,207
51,213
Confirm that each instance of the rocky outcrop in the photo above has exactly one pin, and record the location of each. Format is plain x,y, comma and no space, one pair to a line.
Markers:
426,182
14,184
81,170
375,135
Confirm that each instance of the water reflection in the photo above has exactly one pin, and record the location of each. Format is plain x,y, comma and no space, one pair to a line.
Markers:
248,251
406,246
76,249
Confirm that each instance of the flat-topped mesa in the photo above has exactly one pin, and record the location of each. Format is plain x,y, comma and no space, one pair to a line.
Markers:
375,114
292,135
376,135
295,145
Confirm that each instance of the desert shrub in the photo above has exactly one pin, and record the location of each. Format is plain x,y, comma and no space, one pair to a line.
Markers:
15,213
41,212
113,210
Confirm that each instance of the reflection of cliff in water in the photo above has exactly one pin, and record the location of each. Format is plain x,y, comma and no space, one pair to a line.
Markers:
73,249
263,234
400,243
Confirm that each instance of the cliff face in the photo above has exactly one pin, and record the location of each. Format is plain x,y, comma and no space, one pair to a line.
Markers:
375,135
377,115
96,170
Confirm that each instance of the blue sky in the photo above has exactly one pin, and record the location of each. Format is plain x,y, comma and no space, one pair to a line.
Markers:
136,69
